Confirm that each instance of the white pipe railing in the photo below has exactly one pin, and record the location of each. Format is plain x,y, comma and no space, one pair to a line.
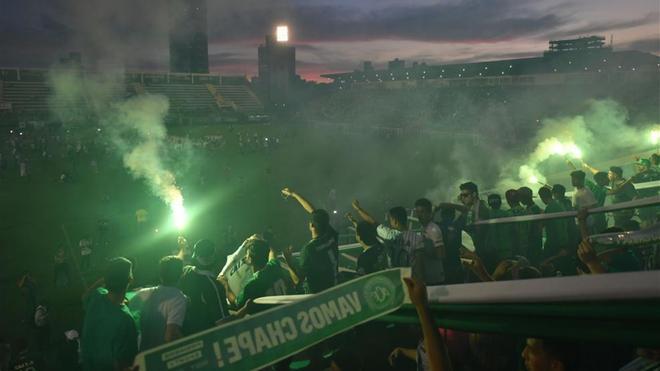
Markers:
642,202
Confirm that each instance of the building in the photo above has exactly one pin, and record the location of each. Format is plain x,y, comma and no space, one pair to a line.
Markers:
277,68
396,64
581,44
188,36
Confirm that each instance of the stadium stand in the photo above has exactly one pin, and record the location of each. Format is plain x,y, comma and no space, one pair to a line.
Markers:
26,96
185,97
566,61
29,91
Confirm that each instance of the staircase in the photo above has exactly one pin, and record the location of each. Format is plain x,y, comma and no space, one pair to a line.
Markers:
222,103
242,96
138,88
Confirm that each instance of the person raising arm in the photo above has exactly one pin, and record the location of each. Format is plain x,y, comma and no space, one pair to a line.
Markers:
434,344
301,200
319,258
363,213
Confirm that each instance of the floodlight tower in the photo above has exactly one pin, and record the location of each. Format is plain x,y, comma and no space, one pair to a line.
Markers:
277,67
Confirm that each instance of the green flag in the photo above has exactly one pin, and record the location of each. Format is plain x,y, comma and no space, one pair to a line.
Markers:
263,339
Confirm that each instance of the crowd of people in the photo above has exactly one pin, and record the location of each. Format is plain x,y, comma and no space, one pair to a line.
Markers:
27,150
193,293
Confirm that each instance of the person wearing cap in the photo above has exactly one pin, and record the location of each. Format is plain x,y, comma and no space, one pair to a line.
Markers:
320,257
207,300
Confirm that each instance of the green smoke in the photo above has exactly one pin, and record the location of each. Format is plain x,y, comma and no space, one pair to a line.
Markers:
135,127
603,132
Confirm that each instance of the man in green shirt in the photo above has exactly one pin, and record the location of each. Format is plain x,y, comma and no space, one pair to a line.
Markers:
622,191
320,257
268,279
534,228
556,244
599,191
520,233
109,338
646,173
500,235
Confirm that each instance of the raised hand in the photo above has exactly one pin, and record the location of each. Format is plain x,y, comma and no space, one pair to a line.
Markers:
586,252
416,291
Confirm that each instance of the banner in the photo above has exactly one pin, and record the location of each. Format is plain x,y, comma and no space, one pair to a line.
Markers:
235,271
268,337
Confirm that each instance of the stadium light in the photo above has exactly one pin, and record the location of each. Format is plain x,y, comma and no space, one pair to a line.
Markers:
282,34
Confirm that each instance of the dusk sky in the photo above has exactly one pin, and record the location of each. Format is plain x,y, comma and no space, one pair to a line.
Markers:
330,36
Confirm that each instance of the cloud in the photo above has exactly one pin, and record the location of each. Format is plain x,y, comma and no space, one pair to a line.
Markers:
125,31
226,58
601,27
465,21
328,34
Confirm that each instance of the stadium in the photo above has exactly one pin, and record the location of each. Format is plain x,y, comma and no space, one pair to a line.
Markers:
216,220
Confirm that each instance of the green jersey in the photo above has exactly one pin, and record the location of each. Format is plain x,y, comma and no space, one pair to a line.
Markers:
320,262
599,192
109,334
556,230
272,280
500,236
